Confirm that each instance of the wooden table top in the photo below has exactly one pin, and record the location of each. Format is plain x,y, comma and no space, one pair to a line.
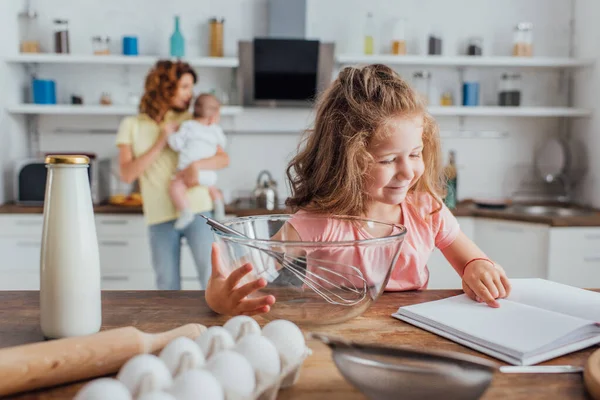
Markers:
154,311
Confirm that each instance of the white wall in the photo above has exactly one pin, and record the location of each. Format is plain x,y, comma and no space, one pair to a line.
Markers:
13,140
497,158
586,94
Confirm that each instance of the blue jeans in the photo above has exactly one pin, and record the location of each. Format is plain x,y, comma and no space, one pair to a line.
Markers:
165,243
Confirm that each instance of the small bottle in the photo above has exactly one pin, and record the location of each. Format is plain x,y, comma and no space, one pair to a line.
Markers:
399,38
70,301
177,41
216,37
451,181
369,34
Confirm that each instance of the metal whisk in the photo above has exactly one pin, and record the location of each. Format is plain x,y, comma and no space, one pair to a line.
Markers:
351,283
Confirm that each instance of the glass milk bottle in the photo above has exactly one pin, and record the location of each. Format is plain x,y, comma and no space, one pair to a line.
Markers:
70,303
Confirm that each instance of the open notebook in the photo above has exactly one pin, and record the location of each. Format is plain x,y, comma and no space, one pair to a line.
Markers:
540,320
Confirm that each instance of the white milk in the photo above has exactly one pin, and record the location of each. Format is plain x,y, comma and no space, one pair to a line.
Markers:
70,297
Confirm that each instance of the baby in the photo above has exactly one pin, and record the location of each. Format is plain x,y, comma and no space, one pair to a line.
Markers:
197,139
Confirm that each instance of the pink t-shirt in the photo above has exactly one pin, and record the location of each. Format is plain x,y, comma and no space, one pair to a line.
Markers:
424,233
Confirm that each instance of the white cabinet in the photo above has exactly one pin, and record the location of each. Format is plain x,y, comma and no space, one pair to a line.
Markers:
124,250
520,248
574,256
441,273
20,246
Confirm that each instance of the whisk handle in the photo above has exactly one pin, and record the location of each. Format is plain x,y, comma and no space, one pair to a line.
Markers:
220,227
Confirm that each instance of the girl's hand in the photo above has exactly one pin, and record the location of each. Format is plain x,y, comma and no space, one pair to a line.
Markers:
484,282
223,295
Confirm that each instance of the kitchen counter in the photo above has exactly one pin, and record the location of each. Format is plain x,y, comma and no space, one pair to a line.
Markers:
154,311
464,209
10,208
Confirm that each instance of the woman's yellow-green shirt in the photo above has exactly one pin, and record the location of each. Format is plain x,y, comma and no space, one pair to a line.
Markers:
141,132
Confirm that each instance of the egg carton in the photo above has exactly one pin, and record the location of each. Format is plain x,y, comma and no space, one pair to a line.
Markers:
238,361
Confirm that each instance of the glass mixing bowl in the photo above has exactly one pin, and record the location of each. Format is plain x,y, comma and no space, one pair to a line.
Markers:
330,277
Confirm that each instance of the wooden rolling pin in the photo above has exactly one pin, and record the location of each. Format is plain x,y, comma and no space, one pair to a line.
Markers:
44,364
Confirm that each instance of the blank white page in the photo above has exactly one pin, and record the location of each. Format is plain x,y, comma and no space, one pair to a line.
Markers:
557,297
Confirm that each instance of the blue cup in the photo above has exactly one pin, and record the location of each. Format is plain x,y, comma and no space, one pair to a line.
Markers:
44,91
130,46
470,93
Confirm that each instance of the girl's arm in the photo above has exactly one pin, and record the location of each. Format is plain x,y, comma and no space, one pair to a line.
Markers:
483,280
130,167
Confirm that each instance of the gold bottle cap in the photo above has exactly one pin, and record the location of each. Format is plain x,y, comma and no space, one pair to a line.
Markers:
67,159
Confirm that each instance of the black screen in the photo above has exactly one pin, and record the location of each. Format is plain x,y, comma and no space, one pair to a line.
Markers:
285,69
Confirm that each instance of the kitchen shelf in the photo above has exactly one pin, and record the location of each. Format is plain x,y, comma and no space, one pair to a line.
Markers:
465,61
67,109
42,58
481,111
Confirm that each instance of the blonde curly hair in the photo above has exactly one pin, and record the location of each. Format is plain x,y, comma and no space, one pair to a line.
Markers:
329,174
160,86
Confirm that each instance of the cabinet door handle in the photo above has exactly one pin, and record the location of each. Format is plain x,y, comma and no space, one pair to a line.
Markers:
592,236
114,243
115,278
113,221
512,229
591,259
29,244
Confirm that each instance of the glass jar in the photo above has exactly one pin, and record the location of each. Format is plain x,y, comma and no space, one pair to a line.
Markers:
523,40
29,32
61,36
100,45
509,90
105,99
421,82
216,37
475,46
447,99
399,37
434,43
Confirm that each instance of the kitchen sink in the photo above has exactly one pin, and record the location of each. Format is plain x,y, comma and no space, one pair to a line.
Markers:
548,211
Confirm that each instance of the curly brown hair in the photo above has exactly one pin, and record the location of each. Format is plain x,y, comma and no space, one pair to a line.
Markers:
160,86
329,174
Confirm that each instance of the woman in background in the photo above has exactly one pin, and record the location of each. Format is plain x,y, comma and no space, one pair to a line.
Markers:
145,156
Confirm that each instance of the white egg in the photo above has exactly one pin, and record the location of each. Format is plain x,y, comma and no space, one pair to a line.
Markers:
182,354
156,396
213,340
234,373
144,373
288,339
102,389
241,326
262,354
197,384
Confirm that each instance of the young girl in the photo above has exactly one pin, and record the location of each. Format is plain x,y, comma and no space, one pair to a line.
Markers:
374,153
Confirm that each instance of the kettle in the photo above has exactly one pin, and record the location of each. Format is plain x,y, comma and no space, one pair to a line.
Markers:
265,193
